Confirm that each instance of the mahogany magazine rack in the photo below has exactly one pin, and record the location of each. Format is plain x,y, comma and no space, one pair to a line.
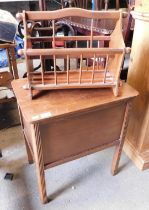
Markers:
99,67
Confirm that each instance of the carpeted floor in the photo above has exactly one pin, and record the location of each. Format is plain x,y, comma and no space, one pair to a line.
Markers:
83,184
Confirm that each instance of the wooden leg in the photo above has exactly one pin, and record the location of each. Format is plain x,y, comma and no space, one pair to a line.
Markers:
38,157
115,90
29,154
31,93
9,60
119,147
14,63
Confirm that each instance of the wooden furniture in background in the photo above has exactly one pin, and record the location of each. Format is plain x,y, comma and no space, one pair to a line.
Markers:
10,50
137,139
63,125
7,76
5,85
107,61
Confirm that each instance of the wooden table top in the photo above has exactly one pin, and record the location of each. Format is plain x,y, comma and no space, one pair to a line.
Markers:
56,103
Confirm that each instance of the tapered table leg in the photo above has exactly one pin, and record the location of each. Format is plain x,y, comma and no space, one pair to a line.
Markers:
119,147
29,154
38,157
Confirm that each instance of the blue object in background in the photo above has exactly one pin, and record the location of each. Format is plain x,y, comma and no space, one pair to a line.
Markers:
3,56
7,31
93,5
19,45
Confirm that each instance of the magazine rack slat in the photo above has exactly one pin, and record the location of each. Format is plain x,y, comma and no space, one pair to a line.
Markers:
98,66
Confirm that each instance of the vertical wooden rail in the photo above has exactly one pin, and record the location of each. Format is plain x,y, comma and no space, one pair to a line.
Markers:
67,69
91,39
76,43
106,66
106,4
80,73
42,5
98,59
117,4
65,60
28,61
42,69
55,74
87,61
14,63
98,44
93,71
98,63
53,28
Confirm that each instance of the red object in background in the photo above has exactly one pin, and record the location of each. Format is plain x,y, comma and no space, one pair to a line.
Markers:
59,43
